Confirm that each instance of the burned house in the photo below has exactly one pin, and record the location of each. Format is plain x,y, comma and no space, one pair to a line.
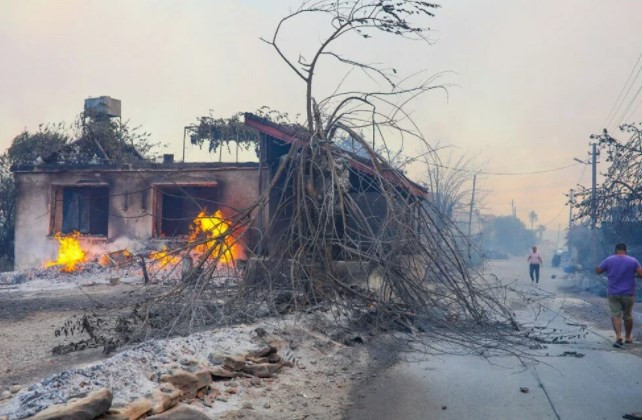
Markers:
147,202
104,202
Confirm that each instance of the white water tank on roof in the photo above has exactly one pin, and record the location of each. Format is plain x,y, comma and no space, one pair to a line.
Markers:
103,105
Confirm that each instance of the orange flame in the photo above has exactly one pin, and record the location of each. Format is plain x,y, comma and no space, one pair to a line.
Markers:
164,258
70,254
212,232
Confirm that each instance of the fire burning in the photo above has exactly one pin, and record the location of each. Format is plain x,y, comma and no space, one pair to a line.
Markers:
164,257
208,232
70,254
212,232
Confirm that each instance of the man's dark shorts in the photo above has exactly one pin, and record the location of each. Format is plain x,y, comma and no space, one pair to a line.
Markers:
621,304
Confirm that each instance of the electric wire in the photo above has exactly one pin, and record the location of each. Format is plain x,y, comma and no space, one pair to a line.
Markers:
620,98
543,171
630,105
630,115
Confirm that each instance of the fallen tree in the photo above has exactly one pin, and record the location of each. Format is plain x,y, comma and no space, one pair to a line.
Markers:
400,270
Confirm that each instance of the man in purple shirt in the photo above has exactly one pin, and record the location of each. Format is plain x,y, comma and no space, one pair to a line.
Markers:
621,270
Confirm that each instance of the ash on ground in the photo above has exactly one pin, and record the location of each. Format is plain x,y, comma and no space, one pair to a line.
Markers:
317,384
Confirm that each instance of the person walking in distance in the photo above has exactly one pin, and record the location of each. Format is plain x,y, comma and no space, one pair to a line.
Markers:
534,263
621,270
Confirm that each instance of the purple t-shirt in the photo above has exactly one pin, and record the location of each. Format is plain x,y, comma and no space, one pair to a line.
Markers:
621,274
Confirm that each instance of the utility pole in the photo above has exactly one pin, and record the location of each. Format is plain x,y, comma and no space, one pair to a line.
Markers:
594,154
571,202
571,197
184,137
513,210
470,217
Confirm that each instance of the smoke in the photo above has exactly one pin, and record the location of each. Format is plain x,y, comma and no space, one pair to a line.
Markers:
97,249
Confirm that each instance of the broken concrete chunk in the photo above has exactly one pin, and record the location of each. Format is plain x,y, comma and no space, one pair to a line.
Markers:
216,359
184,381
256,359
262,370
234,362
165,397
15,388
265,351
96,403
524,389
133,410
181,412
219,372
204,378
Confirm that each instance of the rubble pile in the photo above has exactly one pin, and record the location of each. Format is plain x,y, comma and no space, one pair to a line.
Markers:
157,379
193,383
89,274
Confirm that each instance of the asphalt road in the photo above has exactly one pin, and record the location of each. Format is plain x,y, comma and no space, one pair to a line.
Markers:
604,383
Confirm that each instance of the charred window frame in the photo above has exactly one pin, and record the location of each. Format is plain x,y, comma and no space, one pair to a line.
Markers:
84,209
177,205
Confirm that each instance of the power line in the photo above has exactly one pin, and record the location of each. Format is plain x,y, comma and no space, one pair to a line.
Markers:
625,113
620,99
554,218
622,116
628,117
560,212
543,171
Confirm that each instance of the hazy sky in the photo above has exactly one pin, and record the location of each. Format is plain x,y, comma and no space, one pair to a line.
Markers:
531,80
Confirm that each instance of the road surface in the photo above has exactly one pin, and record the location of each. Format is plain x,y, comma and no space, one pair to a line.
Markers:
604,383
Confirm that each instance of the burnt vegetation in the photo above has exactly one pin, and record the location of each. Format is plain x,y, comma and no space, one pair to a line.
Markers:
618,201
90,139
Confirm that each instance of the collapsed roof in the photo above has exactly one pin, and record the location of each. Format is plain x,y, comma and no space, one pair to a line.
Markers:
295,134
